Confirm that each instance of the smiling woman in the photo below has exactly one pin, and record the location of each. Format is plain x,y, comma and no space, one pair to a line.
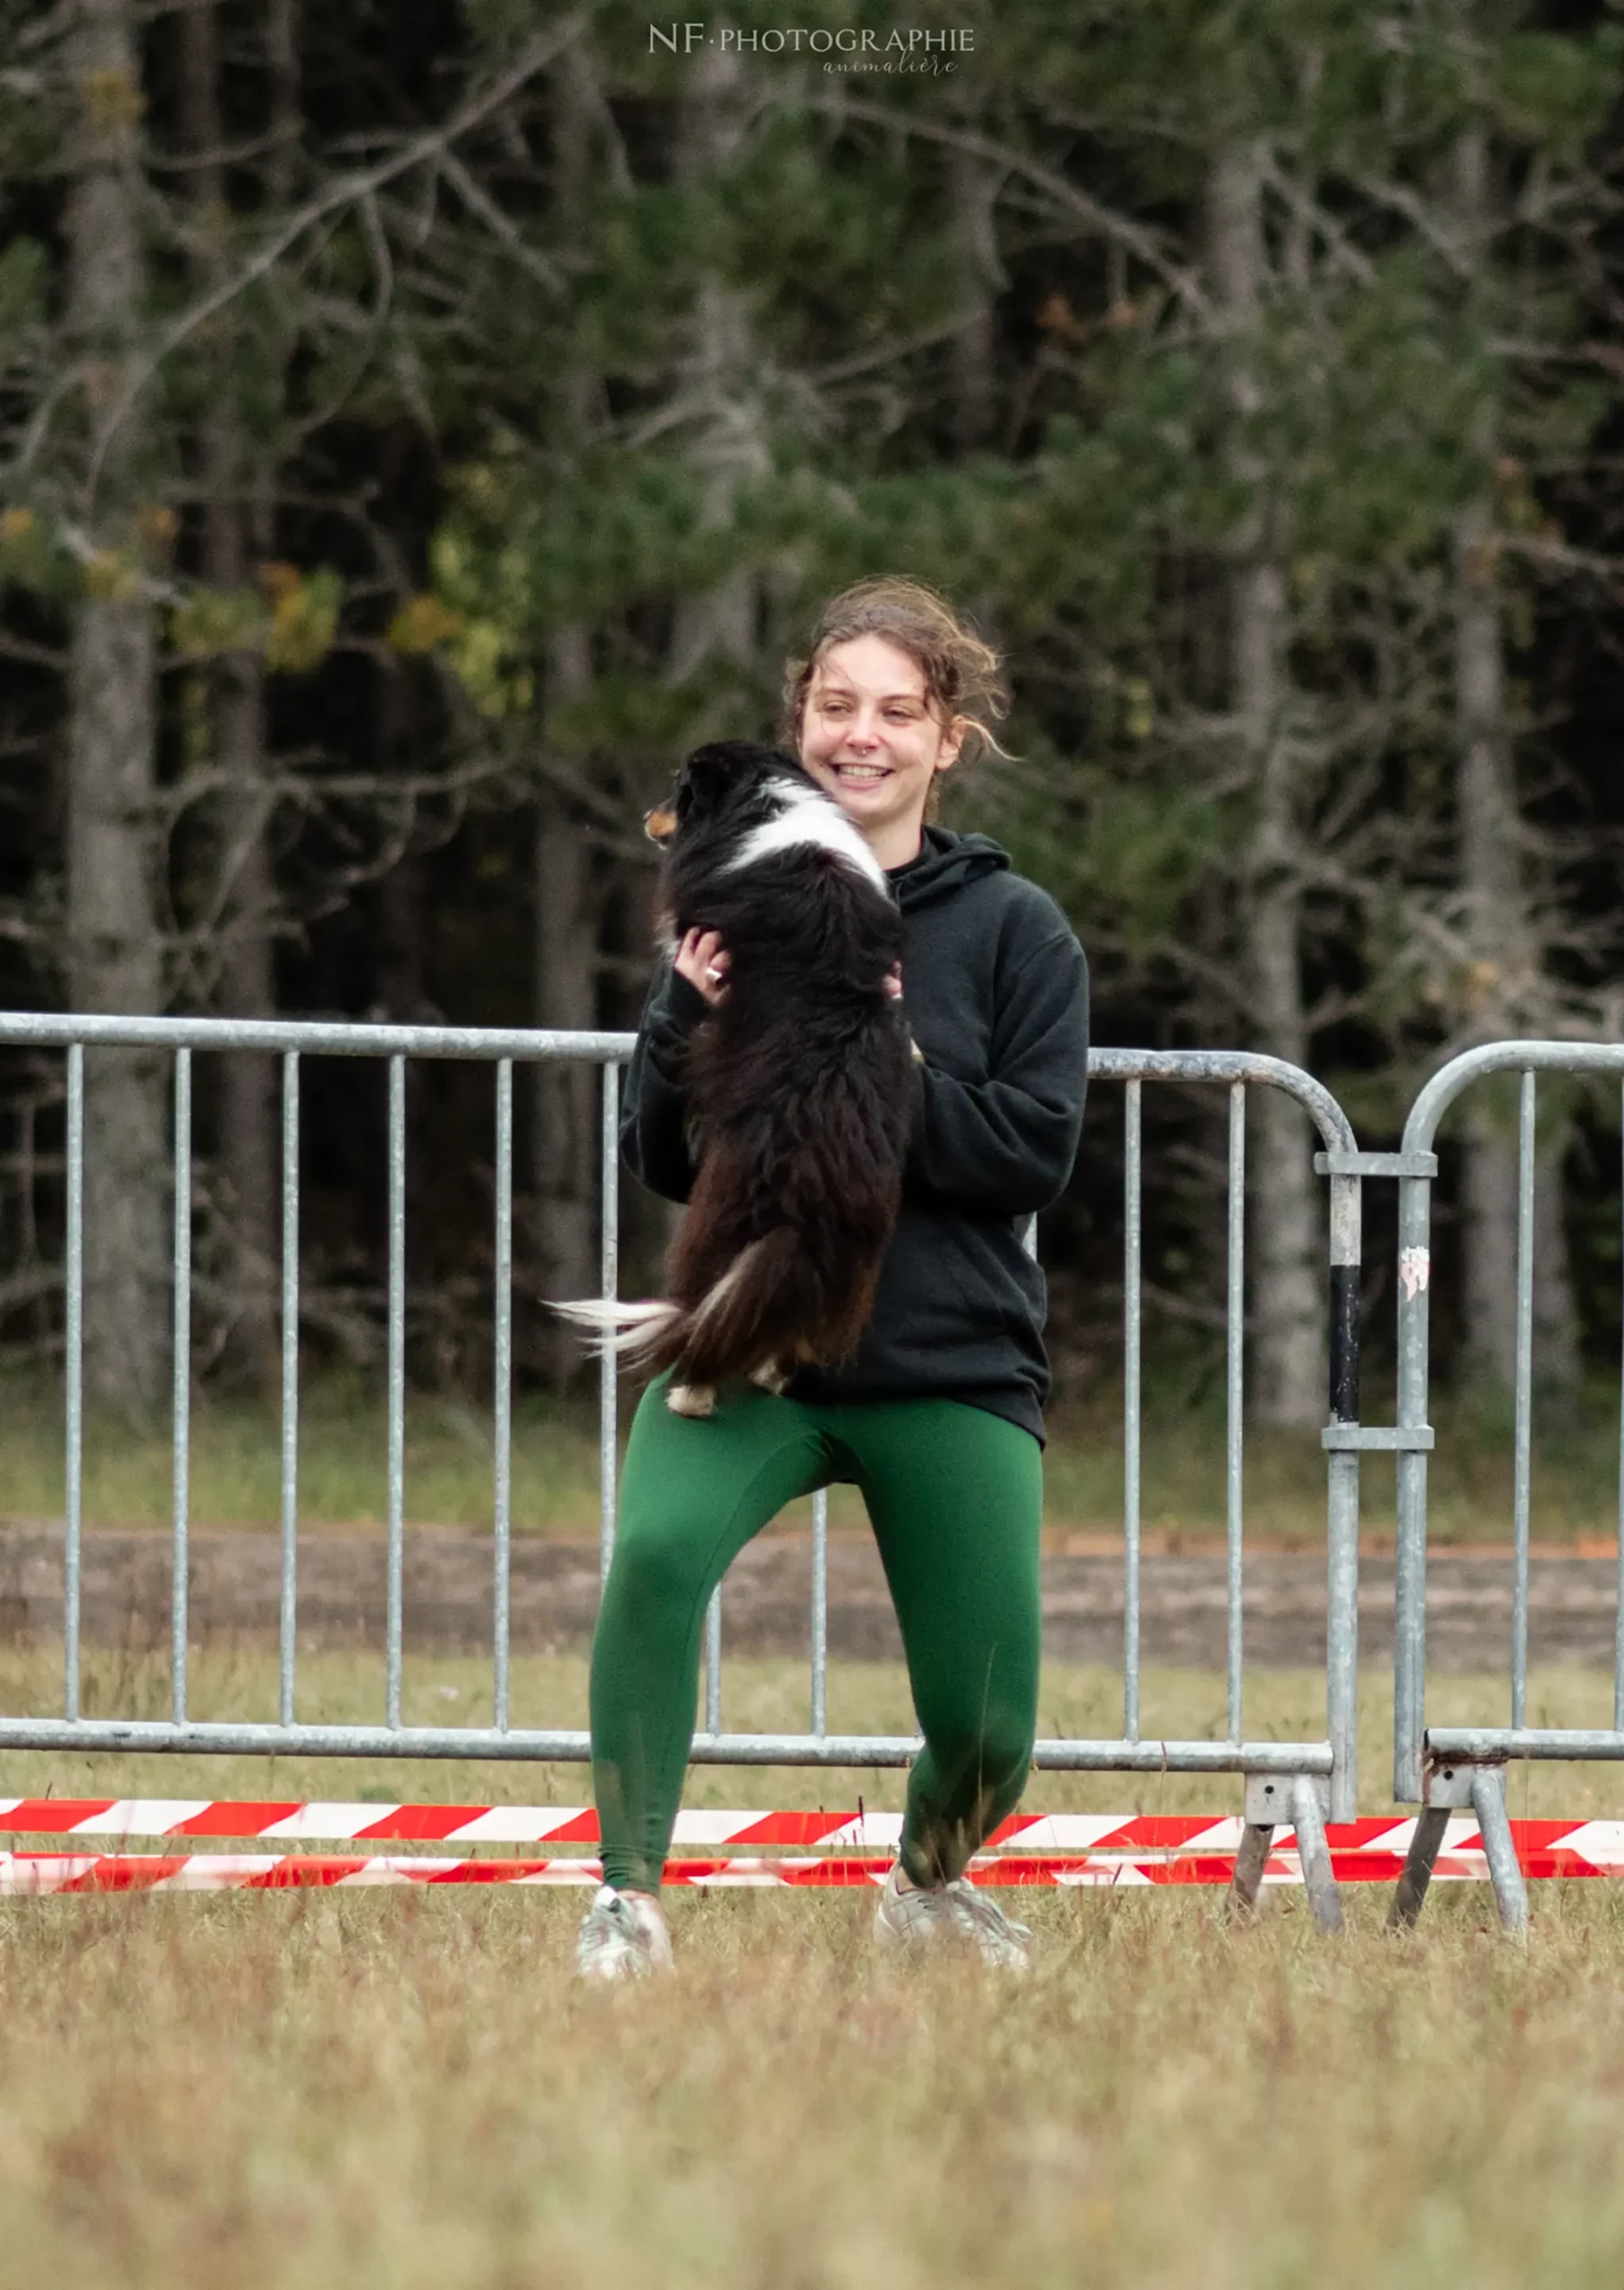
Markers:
870,734
894,688
937,1415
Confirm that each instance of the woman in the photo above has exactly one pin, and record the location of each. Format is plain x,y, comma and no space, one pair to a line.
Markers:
939,1417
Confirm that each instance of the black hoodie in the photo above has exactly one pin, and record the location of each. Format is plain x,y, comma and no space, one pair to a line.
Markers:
995,988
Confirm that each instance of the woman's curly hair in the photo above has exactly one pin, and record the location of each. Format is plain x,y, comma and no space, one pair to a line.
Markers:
963,674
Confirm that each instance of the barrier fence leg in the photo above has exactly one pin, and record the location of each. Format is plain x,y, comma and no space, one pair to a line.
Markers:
1250,1862
1271,1803
1315,1855
1459,1787
1489,1804
1411,1895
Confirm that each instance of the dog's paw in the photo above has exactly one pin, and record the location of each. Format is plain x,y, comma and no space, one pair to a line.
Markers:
770,1376
691,1399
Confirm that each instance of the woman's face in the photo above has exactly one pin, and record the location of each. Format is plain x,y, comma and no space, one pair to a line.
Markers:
869,736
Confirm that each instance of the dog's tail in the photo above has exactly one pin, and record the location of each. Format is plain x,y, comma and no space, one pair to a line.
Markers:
741,1323
634,1333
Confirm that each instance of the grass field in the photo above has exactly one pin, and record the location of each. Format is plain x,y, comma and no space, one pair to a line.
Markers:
235,1456
374,2089
319,2089
316,2090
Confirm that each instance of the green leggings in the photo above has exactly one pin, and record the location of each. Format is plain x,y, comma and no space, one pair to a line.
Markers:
956,1497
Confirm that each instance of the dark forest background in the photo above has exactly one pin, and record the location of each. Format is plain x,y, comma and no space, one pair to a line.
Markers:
421,424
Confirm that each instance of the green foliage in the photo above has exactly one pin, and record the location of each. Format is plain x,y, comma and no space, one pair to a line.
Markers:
1556,90
32,557
304,617
292,620
212,620
794,325
23,290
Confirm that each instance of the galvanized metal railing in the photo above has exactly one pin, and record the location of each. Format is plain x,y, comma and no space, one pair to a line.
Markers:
293,1041
1445,1767
1288,1783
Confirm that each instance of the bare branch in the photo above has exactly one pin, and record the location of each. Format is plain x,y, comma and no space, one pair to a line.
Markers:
534,58
31,655
480,202
1173,275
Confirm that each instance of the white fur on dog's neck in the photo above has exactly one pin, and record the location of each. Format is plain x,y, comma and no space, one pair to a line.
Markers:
810,817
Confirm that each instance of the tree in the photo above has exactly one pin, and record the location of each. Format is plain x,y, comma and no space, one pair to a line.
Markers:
112,519
237,487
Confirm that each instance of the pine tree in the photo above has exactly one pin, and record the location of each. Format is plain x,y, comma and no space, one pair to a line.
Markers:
111,520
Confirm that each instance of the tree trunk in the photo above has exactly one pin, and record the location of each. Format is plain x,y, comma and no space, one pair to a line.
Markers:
236,499
567,1138
250,1094
972,185
1287,1286
1505,984
113,944
566,1146
720,371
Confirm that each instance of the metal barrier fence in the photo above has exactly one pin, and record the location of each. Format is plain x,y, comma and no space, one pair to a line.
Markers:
1446,1767
1290,1784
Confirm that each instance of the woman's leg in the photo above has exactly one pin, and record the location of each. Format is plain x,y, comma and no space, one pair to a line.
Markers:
956,1497
693,1491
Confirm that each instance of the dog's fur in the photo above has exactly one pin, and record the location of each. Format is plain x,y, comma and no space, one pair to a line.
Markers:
799,1083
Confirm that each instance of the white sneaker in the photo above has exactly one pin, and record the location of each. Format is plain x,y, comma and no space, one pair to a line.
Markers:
622,1937
914,1919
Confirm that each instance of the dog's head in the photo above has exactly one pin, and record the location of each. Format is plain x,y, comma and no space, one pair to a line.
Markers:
740,805
755,850
724,787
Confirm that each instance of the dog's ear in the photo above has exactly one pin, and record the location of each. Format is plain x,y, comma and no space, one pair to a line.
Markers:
716,768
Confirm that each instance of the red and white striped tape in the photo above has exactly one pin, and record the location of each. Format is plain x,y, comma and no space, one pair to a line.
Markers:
1078,1849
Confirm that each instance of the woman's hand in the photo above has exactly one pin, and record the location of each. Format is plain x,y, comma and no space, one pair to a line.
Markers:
703,961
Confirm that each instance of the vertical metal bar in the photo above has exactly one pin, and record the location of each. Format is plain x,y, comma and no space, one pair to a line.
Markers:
1525,1402
74,1395
1618,1628
1342,1632
397,1381
181,1367
287,1627
820,1612
1409,1611
610,1260
713,1662
503,1392
1133,1144
1234,1355
1342,1503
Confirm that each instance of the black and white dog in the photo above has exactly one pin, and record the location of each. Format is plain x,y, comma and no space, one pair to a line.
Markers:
799,1083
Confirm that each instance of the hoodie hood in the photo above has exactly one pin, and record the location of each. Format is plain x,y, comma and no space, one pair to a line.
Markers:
945,860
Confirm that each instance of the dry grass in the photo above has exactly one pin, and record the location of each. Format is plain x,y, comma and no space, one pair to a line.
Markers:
320,2089
407,2090
235,1458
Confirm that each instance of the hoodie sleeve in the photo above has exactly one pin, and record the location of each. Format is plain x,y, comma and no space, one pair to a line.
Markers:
1005,1145
654,1107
